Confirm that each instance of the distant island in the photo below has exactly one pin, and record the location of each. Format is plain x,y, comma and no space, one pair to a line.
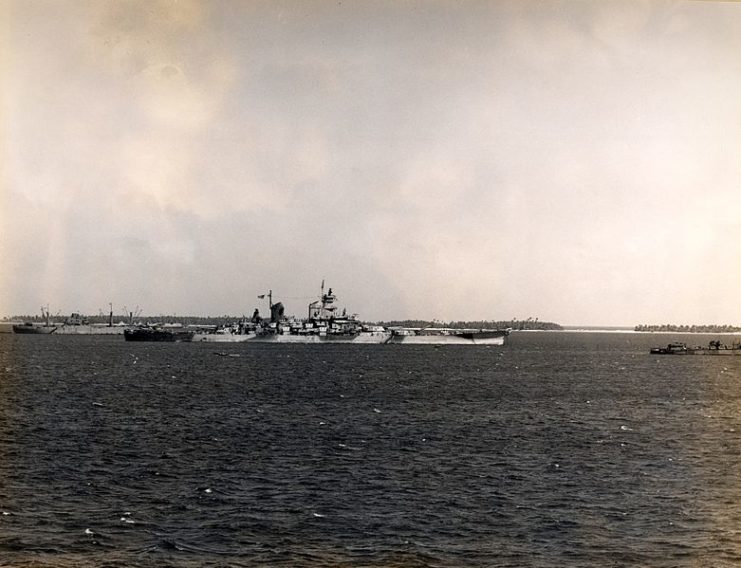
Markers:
710,328
515,324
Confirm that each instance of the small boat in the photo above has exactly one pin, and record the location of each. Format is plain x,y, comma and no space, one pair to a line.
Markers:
714,348
158,334
235,333
671,349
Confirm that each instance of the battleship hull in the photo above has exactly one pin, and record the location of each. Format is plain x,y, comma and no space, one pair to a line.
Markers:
222,337
373,337
449,337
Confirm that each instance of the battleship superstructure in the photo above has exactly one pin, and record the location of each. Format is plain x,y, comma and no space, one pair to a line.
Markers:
323,325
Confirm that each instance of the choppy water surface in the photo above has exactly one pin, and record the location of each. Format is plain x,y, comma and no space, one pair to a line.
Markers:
559,449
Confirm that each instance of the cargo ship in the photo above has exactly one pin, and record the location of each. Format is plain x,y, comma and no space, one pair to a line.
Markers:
77,324
45,328
30,327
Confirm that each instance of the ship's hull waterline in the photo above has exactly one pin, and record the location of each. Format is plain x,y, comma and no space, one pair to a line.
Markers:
384,337
447,339
222,337
361,338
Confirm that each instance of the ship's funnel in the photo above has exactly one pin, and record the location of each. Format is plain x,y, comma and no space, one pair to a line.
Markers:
276,312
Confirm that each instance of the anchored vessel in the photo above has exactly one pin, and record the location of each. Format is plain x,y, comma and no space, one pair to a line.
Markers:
75,324
39,329
79,325
714,348
235,333
158,334
30,327
326,324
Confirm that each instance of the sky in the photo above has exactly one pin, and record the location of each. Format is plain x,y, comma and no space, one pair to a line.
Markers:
578,162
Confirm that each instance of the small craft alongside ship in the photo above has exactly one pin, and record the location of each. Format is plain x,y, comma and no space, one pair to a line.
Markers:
234,333
714,348
159,334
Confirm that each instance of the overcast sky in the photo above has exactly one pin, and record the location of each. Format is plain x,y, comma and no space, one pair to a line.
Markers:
576,161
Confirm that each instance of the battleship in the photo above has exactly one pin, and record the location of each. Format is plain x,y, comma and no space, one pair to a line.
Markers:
325,323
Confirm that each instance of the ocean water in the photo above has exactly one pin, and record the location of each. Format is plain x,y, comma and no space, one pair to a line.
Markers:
560,449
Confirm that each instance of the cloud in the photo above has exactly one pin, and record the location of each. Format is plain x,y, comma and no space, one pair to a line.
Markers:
466,160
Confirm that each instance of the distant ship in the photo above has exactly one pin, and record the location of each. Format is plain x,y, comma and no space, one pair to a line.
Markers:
77,324
158,334
714,348
34,328
30,327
